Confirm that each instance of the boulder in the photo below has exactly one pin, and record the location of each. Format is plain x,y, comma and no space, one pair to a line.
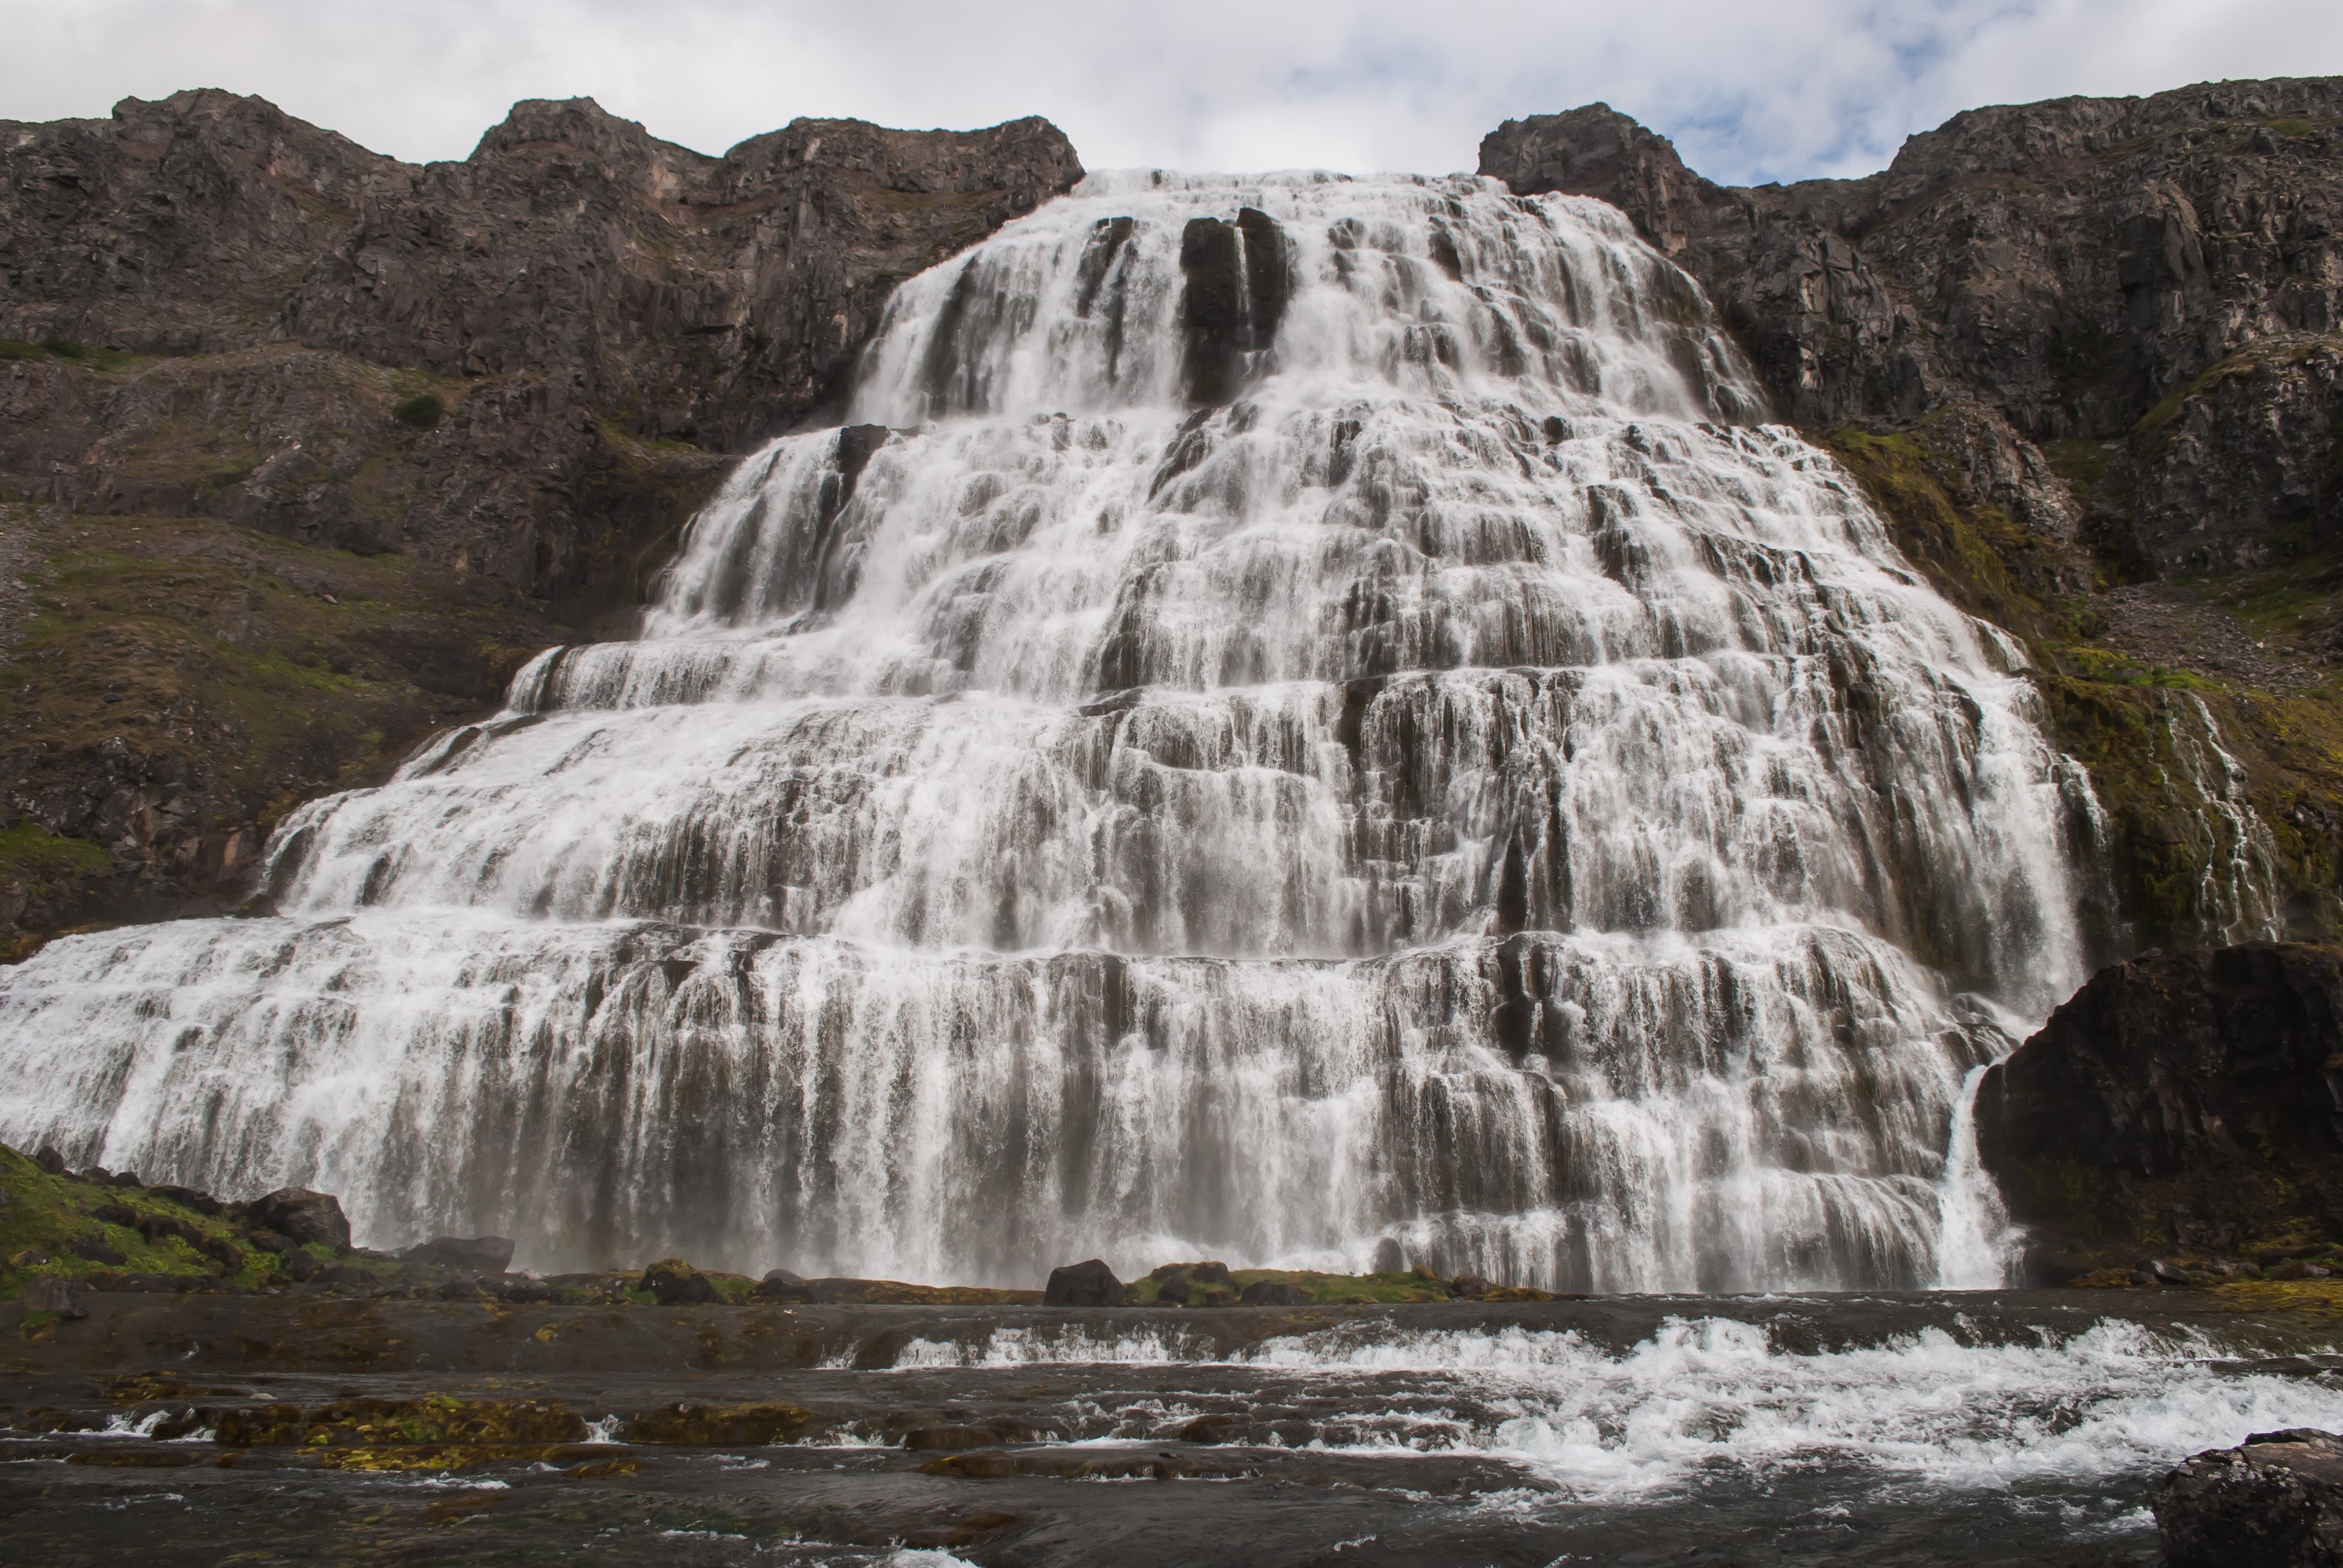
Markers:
309,1218
677,1283
780,1285
300,1265
480,1254
50,1161
188,1198
1274,1293
96,1252
1090,1283
55,1293
2275,1501
2187,1093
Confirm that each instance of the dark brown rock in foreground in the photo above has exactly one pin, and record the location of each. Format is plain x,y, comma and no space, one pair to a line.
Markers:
2179,1099
1090,1283
309,1218
2275,1501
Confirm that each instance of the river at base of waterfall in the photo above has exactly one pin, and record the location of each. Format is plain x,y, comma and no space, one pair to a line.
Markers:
1987,1428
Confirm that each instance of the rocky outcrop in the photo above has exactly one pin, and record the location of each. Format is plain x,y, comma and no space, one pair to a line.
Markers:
2067,346
515,376
2182,1099
2275,1501
2065,265
574,286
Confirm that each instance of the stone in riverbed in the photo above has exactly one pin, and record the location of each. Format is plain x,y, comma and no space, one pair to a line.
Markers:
307,1217
1090,1283
1274,1293
781,1285
677,1283
481,1254
55,1293
2275,1501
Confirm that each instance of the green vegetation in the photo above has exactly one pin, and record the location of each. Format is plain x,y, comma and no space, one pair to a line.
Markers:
423,412
2134,724
46,1215
30,850
89,355
2291,128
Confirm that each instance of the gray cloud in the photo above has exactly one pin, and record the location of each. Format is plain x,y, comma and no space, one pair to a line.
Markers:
1749,91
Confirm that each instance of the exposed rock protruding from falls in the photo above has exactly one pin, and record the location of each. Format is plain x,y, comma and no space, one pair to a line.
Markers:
2189,1101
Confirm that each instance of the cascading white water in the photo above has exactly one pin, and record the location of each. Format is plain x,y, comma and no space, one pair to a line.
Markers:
1319,729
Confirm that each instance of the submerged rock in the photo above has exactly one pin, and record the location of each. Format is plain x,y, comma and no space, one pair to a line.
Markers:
1085,1284
2275,1501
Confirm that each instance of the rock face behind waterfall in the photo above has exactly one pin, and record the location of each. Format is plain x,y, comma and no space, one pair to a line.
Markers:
2179,1102
227,337
2067,345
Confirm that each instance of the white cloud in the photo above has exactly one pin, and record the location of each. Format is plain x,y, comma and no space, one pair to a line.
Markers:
1748,91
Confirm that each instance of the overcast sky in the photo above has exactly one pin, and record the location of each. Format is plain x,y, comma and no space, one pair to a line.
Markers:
1750,89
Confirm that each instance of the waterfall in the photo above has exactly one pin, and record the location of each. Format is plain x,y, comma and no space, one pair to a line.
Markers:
1298,721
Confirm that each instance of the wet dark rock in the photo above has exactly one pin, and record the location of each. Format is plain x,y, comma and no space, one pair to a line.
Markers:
300,1265
1237,280
481,1254
708,1425
50,1161
188,1198
2191,1092
1466,1285
781,1285
55,1293
163,1227
309,1218
524,1291
1274,1293
949,1438
115,1214
96,1252
2275,1501
1085,1284
677,1283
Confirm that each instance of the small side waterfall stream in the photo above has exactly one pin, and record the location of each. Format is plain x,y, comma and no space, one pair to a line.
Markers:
1301,721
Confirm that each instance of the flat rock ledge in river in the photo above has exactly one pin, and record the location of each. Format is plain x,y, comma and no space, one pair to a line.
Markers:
2275,1501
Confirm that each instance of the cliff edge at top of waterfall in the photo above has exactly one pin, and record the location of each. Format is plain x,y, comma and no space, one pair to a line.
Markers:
2085,355
2180,1106
303,448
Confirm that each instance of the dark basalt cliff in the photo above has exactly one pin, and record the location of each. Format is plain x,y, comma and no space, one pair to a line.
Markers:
472,402
2181,1102
2088,357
